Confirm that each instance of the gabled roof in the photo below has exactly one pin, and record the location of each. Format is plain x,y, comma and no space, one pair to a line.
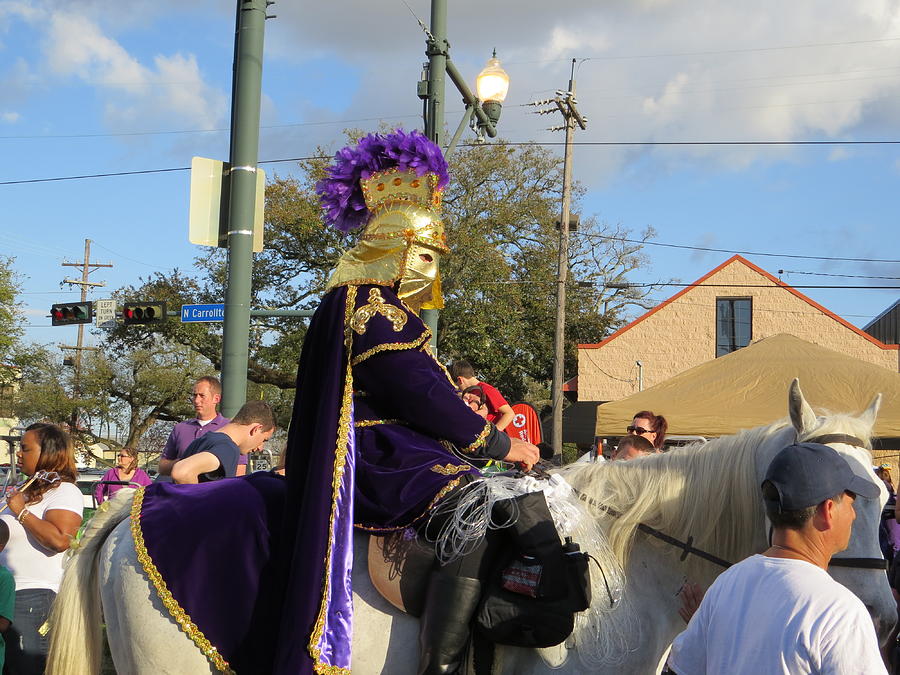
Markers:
761,272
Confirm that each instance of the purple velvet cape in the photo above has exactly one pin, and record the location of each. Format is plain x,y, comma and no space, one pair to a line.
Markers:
404,403
211,546
280,567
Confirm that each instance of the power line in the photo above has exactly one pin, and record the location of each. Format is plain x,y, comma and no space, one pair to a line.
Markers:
695,285
481,145
141,262
134,173
846,276
725,250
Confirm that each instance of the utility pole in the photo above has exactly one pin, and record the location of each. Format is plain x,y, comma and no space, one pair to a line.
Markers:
86,268
567,105
246,94
436,48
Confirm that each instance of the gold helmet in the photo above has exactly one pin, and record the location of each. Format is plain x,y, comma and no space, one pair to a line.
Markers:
399,200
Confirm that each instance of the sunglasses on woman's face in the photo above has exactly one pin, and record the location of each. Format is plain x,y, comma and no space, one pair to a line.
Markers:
640,431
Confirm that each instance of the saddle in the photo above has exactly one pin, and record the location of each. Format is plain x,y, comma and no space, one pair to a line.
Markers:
399,567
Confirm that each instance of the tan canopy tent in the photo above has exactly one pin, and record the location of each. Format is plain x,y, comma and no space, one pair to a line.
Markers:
748,388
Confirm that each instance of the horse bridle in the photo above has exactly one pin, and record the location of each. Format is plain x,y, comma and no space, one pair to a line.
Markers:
858,563
688,548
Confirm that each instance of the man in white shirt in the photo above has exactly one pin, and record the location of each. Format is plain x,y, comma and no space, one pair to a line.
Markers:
780,612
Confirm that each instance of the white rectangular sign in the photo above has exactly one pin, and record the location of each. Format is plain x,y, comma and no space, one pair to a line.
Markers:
105,313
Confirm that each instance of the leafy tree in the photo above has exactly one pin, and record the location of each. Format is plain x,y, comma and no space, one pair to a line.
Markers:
10,308
499,283
144,386
10,331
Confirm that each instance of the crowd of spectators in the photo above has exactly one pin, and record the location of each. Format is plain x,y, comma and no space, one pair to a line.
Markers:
42,515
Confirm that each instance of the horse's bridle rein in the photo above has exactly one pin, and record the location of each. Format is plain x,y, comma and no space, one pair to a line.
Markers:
688,548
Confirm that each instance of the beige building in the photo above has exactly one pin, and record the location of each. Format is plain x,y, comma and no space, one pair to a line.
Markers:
726,309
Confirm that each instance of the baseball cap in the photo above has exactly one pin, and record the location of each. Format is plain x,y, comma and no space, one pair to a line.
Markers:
806,474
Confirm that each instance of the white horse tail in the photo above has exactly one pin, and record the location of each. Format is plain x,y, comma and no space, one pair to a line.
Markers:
76,647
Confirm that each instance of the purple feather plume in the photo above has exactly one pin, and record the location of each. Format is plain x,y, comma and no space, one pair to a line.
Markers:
340,193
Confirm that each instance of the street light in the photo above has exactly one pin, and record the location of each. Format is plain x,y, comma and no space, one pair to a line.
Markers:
485,107
492,84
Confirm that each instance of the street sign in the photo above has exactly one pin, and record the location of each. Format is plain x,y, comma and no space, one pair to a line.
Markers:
105,313
202,313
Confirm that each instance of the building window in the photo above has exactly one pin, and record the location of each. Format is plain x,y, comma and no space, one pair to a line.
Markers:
734,320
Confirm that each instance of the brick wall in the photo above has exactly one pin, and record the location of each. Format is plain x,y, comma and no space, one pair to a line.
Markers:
682,334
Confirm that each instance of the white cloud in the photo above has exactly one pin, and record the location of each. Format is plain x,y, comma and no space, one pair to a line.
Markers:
137,95
10,117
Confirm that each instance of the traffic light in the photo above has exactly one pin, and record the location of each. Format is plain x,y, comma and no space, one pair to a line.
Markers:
144,312
68,313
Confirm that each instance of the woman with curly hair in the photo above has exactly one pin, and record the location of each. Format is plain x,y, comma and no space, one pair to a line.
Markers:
43,518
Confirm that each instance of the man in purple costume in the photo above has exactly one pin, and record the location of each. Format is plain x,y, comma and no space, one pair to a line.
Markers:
379,435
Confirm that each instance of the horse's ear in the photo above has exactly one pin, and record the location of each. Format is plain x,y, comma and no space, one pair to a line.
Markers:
872,411
802,416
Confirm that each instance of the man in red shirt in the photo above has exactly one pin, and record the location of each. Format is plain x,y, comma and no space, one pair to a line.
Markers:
499,411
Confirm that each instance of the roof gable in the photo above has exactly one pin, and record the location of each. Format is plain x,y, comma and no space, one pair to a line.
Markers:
732,260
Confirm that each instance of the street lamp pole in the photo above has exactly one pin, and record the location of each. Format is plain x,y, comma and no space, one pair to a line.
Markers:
566,103
432,90
246,94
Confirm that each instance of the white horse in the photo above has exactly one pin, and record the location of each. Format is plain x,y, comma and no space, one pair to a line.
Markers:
707,494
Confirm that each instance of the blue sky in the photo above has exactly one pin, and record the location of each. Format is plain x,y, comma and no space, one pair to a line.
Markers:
97,87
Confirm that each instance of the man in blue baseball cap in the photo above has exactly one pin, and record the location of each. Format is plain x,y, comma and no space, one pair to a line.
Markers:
780,611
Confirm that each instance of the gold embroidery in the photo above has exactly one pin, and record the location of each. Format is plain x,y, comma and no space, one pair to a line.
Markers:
181,617
479,441
340,459
377,305
439,496
450,469
395,346
374,423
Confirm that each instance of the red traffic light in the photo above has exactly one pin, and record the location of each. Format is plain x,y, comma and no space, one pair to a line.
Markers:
68,313
144,312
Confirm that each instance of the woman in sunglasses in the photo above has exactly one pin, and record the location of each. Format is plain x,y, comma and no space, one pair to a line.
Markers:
650,426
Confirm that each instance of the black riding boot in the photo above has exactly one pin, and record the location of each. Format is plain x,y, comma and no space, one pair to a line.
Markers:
444,625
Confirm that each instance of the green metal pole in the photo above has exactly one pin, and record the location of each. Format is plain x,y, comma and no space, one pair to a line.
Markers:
246,89
436,49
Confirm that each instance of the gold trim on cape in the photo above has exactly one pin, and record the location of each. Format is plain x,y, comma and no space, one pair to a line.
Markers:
171,604
450,469
340,458
479,440
390,346
377,305
375,423
439,496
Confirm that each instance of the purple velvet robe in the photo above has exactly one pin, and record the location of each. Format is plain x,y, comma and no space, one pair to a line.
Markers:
372,411
404,406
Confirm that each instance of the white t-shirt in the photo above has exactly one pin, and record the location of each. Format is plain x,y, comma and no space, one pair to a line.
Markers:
778,615
32,565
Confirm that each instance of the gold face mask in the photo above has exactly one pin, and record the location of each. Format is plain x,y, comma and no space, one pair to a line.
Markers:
402,242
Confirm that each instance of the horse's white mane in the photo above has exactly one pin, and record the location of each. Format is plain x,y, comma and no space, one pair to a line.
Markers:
707,491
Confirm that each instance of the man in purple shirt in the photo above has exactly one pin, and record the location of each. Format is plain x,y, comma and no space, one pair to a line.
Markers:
205,396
